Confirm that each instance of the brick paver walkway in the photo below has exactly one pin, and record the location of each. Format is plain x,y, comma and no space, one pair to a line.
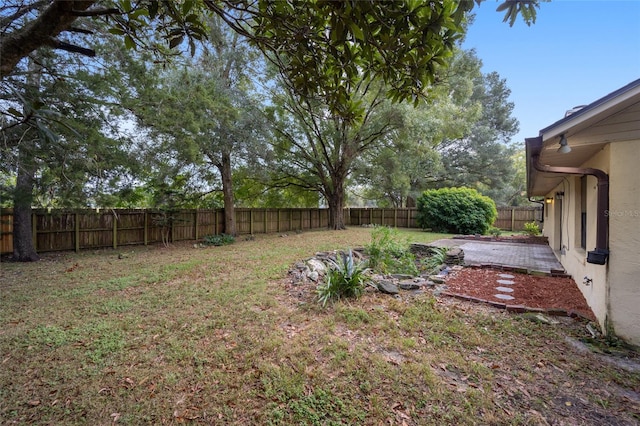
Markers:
536,257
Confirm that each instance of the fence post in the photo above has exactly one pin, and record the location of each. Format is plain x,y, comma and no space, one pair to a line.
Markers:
395,218
370,216
146,227
34,230
290,220
77,232
359,217
278,225
172,228
195,222
408,218
513,219
266,231
115,230
251,222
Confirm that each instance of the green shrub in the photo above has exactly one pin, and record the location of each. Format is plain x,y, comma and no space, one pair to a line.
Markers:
345,278
531,228
218,240
456,210
389,253
496,232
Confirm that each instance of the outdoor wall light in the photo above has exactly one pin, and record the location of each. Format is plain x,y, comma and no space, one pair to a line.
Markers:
564,145
559,195
548,200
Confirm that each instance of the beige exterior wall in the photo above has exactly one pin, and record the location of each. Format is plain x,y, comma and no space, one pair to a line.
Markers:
563,227
614,293
624,240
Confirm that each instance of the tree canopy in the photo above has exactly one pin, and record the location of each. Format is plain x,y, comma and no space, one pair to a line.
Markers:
346,67
322,45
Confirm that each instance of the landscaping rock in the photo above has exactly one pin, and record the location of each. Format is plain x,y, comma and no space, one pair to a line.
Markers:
455,256
409,285
317,266
437,279
420,249
387,287
540,318
402,276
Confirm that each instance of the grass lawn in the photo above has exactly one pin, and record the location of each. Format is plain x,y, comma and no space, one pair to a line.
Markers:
214,336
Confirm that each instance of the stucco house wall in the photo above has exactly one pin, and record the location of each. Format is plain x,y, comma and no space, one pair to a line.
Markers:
565,213
603,140
624,240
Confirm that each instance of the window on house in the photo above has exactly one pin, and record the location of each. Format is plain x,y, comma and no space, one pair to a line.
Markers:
583,212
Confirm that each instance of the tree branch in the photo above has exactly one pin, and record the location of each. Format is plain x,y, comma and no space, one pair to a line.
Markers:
79,30
52,21
96,12
63,45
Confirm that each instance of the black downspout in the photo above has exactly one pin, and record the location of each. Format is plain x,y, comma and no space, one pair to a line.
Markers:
601,252
541,204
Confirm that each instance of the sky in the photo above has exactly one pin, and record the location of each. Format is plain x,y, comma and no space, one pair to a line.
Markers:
576,52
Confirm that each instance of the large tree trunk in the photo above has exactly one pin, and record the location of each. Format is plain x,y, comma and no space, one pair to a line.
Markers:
23,249
335,199
227,192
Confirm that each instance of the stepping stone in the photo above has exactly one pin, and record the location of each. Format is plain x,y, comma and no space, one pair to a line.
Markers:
506,276
506,282
503,296
505,289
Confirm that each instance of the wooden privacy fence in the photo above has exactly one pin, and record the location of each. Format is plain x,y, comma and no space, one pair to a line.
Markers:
397,218
514,218
509,218
58,230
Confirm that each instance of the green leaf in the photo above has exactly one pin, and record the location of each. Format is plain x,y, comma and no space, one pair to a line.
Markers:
129,43
175,42
187,6
14,112
116,31
357,31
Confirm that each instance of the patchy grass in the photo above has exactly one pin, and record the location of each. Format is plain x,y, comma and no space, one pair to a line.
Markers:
215,336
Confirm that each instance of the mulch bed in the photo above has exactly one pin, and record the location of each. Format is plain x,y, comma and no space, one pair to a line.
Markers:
552,294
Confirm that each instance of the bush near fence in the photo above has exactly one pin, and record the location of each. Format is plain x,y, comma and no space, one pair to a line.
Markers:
58,230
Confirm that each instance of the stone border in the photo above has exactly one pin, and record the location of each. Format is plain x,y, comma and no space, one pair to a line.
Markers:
535,239
559,273
519,309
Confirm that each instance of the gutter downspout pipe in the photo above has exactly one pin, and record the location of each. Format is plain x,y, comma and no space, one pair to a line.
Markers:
601,252
531,200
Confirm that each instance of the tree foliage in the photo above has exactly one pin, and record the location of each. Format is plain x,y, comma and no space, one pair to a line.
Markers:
411,161
316,150
57,141
330,54
205,114
482,157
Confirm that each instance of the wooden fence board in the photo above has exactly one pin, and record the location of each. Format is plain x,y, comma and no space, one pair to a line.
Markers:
89,229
